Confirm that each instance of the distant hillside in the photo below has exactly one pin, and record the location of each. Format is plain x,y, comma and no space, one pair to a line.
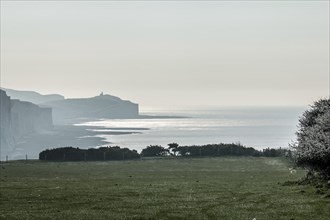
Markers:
31,96
102,106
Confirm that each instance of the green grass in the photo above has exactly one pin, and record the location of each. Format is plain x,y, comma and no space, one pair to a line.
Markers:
202,188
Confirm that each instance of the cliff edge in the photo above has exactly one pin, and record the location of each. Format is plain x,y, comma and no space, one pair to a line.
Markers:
31,96
19,118
102,106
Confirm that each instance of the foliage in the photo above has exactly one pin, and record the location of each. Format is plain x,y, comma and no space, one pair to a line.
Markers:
173,147
217,150
280,152
117,153
312,149
76,154
211,150
154,151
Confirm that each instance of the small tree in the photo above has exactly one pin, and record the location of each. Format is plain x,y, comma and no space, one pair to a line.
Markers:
154,151
173,147
312,149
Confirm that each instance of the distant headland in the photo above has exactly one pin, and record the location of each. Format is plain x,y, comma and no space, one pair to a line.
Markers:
31,120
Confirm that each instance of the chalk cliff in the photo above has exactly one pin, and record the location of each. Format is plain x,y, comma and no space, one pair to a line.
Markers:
31,96
102,106
21,118
7,140
29,118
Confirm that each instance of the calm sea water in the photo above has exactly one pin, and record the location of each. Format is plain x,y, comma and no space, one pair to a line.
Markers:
252,127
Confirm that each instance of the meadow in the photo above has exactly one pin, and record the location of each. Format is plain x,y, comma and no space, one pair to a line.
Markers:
159,188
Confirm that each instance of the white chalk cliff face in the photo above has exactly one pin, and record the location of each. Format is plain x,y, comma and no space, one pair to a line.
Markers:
19,119
67,110
7,140
23,123
28,118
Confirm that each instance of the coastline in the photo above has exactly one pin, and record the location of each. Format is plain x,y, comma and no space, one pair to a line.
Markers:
61,136
70,132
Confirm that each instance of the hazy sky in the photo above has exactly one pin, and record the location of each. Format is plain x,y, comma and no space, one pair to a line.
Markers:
172,54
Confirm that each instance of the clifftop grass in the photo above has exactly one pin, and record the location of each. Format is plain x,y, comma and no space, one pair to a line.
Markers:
195,188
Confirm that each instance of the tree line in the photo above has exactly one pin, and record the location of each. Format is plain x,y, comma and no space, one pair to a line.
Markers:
211,150
92,154
118,153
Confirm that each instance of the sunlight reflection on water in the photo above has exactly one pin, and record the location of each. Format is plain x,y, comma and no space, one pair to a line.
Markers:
256,128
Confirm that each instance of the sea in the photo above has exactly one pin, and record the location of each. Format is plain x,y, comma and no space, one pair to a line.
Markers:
257,127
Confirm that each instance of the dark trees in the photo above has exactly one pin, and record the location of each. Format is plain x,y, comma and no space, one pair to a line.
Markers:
92,154
154,151
217,150
173,147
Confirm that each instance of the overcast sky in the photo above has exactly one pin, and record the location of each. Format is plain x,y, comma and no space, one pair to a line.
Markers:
172,54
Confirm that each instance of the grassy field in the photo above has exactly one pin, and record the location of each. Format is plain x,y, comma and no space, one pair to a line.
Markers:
202,188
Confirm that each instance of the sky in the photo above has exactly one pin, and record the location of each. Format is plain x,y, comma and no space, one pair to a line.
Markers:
171,54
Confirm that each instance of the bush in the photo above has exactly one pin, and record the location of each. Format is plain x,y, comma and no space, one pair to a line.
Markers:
92,154
154,151
312,149
217,150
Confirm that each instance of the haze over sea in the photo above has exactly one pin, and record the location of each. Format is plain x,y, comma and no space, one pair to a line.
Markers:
258,127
